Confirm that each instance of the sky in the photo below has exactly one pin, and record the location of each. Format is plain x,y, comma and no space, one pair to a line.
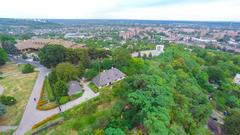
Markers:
194,10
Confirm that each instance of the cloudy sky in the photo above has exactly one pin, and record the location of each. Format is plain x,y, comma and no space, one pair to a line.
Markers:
202,10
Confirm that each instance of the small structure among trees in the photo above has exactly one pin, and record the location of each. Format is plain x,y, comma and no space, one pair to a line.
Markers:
237,79
149,53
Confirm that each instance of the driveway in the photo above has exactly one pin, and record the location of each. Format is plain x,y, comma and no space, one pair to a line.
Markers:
32,116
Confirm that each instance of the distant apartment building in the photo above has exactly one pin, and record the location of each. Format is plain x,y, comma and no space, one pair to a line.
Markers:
36,44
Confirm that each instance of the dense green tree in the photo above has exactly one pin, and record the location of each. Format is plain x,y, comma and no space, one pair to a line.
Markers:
66,72
215,74
3,57
121,57
51,55
106,64
81,70
52,78
114,131
232,124
78,55
90,73
10,48
96,53
60,89
8,44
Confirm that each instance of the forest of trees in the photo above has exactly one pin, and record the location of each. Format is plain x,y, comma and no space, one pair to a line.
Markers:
168,94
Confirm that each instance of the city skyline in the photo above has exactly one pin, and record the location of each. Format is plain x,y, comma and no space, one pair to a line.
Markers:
204,10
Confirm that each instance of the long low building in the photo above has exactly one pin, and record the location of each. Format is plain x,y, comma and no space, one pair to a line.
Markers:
159,49
36,44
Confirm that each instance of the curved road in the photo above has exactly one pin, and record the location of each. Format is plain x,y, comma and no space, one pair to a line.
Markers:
32,116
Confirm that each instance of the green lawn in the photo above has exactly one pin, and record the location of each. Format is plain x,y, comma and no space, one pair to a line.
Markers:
20,87
93,87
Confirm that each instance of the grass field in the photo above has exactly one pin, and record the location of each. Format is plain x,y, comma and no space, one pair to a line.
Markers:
20,87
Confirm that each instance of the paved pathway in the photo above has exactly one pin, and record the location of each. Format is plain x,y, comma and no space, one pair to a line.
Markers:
1,89
32,116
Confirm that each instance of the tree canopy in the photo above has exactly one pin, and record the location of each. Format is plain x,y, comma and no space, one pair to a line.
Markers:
51,55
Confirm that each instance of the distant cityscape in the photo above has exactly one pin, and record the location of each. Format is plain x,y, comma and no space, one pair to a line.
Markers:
112,33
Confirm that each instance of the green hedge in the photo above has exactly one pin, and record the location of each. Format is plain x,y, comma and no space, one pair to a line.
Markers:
48,89
64,100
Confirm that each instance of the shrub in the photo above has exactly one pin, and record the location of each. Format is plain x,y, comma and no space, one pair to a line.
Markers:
114,131
27,68
2,109
7,100
64,100
42,102
47,106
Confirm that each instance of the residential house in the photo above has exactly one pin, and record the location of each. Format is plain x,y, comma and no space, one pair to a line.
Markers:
108,77
74,88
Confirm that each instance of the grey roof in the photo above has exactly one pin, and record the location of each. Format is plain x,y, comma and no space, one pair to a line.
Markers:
108,76
74,87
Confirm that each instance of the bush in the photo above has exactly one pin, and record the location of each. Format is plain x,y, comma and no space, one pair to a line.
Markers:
7,100
42,102
114,131
27,68
64,100
47,106
2,109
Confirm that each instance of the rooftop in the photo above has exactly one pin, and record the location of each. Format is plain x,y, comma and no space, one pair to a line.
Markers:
74,87
40,43
108,77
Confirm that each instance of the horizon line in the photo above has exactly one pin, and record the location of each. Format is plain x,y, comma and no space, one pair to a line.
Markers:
20,18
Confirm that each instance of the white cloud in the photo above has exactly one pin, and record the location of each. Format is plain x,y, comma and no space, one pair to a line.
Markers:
213,10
